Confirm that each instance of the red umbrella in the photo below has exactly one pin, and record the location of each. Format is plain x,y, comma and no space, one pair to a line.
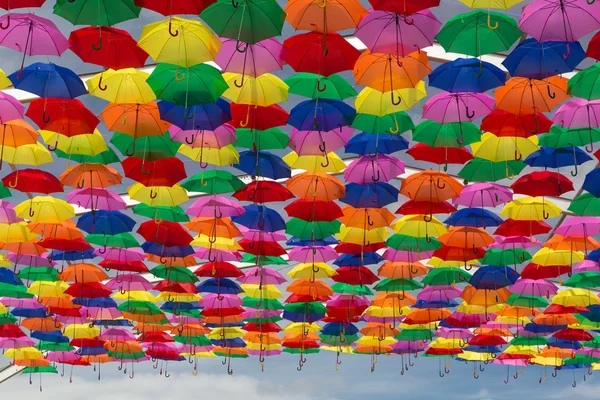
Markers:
542,183
13,4
69,117
441,351
512,227
440,155
11,331
176,287
65,311
503,123
155,337
263,192
344,314
257,117
405,7
360,275
87,342
108,47
89,290
162,172
593,49
166,233
219,269
264,327
449,253
65,244
163,354
323,54
486,340
222,311
351,248
261,248
170,7
131,266
536,271
33,181
317,210
425,207
559,309
574,335
296,298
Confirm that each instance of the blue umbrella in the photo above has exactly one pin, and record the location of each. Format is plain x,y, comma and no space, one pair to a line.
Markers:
467,75
543,329
179,306
593,314
493,277
233,342
564,344
337,329
373,195
436,304
328,241
481,349
594,255
198,117
99,302
9,277
54,336
592,182
261,218
263,163
111,322
367,143
474,217
301,317
29,312
167,251
58,255
532,59
49,81
105,222
321,114
548,157
91,351
219,285
356,260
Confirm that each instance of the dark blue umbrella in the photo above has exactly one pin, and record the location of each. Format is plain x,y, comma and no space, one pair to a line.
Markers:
261,218
593,314
543,329
263,163
493,277
337,329
436,304
29,312
301,317
100,302
481,349
105,222
564,344
328,241
467,75
592,182
548,157
373,195
198,117
474,217
219,285
594,255
321,114
367,143
233,342
54,336
49,81
58,255
9,277
111,322
91,351
174,306
167,251
532,59
356,260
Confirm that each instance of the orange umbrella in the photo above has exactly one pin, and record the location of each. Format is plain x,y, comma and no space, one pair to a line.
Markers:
316,186
367,218
98,359
190,330
304,287
90,175
467,237
372,349
572,243
135,120
408,270
484,297
484,330
517,311
16,133
32,362
65,301
143,317
228,319
557,352
325,15
426,315
28,248
187,261
387,72
377,329
66,230
82,273
524,96
432,186
262,337
300,337
229,351
555,319
122,346
47,324
152,328
214,227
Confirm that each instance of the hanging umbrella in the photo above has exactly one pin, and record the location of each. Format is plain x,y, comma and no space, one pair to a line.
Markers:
48,81
467,75
504,123
199,117
260,58
532,95
88,12
263,90
64,116
122,86
332,16
457,107
170,7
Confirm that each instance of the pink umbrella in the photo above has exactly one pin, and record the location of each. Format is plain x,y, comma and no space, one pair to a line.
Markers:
7,213
257,59
256,235
97,199
483,194
62,356
406,256
388,32
217,139
408,347
367,169
94,313
117,334
346,300
21,303
448,107
30,260
533,287
454,333
16,343
265,353
579,226
266,276
304,254
578,113
255,313
384,320
218,255
10,108
128,282
559,20
586,266
213,300
182,319
208,206
317,143
439,293
511,242
121,254
71,320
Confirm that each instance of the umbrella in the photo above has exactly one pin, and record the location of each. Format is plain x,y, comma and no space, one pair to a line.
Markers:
333,16
368,169
88,12
199,117
584,83
263,90
64,116
531,95
467,75
316,86
122,86
48,81
504,123
457,107
260,58
542,183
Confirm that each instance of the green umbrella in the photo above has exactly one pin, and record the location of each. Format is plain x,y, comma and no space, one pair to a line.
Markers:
106,157
14,291
316,86
585,205
7,319
124,356
262,260
174,274
139,307
173,214
480,170
213,182
336,340
594,343
54,346
580,359
198,84
414,335
193,313
397,285
97,12
595,325
455,134
248,21
46,369
526,301
199,340
395,123
562,137
505,257
585,280
148,148
411,243
478,32
529,341
275,319
293,350
445,276
263,304
269,139
39,274
123,240
318,230
345,288
585,83
313,307
4,192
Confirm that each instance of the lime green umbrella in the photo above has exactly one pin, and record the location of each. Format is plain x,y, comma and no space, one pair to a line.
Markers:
123,240
595,325
198,84
14,291
44,369
594,343
481,170
263,304
97,12
526,301
505,257
585,205
124,356
478,32
345,288
139,307
148,148
580,359
396,285
411,243
318,230
275,319
173,214
54,346
293,350
269,139
4,192
316,86
248,21
586,280
394,124
106,157
39,274
338,340
586,83
414,335
262,260
213,182
562,137
446,276
174,274
455,134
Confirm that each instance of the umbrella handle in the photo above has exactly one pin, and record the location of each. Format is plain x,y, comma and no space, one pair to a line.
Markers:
591,149
427,238
241,84
326,162
489,23
53,148
178,77
190,116
545,214
575,172
460,139
14,185
235,4
554,373
510,177
45,118
394,102
438,184
469,114
518,155
376,179
103,88
241,47
81,184
480,72
146,172
174,34
319,88
446,166
590,2
99,47
153,194
565,56
31,212
369,221
396,128
188,142
550,94
407,21
3,27
321,5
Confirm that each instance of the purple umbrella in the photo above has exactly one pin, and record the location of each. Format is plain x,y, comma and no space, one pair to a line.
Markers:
208,206
217,139
309,254
121,254
367,169
384,320
579,226
265,353
97,199
578,113
483,194
388,32
10,108
7,213
30,260
533,287
408,347
317,143
182,319
347,300
255,313
586,266
406,256
559,20
257,59
448,107
439,293
265,276
217,254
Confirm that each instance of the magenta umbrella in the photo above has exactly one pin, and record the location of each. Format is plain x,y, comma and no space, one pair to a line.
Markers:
21,303
533,287
367,169
208,206
182,319
30,260
388,32
256,235
309,254
578,113
265,276
257,59
62,356
511,242
579,226
454,333
559,20
316,143
217,254
439,293
217,139
97,199
448,107
7,213
384,320
120,254
265,353
97,313
406,256
483,194
117,334
257,313
16,343
129,282
214,300
586,266
347,300
10,108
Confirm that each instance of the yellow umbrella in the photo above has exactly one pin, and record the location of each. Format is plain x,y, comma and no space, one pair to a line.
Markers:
179,41
17,232
476,309
4,81
311,270
138,295
371,101
45,209
81,331
3,309
264,90
200,354
546,361
416,226
219,157
505,148
301,327
27,154
376,341
158,196
530,209
497,4
439,263
264,292
226,333
513,320
262,346
126,85
575,297
48,289
386,312
24,353
220,243
362,236
430,325
330,163
533,350
4,263
178,297
443,343
86,145
476,356
546,257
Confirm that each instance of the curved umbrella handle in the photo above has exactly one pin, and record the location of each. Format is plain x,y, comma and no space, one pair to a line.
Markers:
31,212
575,171
45,118
480,72
103,88
14,185
321,5
407,21
190,116
509,176
369,221
99,47
489,23
5,27
235,4
550,94
591,148
241,84
173,34
324,87
146,172
427,238
245,124
241,47
81,183
518,155
394,102
438,184
396,128
590,2
178,77
188,142
545,214
53,148
460,139
153,194
469,114
376,178
326,162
